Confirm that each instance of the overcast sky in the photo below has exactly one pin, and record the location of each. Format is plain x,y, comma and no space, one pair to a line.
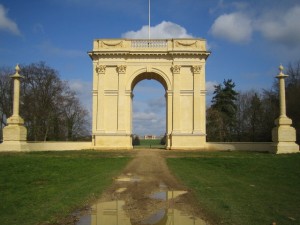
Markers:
248,40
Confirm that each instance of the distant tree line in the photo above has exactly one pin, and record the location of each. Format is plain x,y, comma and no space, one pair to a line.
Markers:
249,115
50,109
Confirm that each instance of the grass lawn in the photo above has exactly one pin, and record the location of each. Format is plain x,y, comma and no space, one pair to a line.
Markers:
238,188
155,143
46,186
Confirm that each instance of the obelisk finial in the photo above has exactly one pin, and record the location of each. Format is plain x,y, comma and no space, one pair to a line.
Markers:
17,68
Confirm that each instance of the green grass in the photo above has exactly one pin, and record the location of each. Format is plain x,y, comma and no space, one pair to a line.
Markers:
41,187
155,143
243,188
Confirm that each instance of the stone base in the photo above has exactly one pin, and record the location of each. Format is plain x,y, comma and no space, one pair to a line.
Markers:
284,137
14,133
9,146
285,147
112,141
186,141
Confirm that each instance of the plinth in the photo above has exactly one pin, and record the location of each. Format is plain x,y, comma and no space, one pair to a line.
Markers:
284,136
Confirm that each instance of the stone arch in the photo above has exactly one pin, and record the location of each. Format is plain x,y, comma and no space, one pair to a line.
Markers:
143,73
177,64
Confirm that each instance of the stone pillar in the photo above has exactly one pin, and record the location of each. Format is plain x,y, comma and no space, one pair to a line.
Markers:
283,135
176,99
98,121
121,124
15,134
169,117
197,100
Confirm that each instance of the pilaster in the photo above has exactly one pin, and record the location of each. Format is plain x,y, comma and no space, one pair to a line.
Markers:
100,70
176,99
196,99
169,117
121,125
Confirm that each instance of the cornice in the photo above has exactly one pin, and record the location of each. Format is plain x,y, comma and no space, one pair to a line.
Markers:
147,53
157,47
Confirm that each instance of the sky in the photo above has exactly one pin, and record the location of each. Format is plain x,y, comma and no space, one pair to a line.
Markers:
248,40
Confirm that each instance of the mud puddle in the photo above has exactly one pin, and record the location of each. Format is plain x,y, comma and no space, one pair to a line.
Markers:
145,194
113,213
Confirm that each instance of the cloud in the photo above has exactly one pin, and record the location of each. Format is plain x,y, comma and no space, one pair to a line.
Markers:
38,28
7,24
83,90
158,104
210,87
235,27
48,48
275,25
145,116
163,30
148,123
281,28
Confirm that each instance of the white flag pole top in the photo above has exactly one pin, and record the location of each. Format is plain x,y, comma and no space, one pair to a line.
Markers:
149,36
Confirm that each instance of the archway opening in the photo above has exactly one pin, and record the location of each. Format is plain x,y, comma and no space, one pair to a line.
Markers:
149,111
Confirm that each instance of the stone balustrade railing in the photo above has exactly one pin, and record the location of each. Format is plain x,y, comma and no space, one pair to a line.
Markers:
149,43
138,45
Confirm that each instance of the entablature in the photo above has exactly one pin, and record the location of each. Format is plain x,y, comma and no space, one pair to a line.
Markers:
157,47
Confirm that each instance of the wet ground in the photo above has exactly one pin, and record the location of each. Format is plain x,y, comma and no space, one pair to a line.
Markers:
146,193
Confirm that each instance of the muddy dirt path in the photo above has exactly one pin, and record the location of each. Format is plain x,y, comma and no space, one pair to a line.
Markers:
145,193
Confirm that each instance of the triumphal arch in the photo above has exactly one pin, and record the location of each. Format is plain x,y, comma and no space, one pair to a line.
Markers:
178,64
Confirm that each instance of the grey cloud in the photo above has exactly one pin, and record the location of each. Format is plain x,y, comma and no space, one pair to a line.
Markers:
7,24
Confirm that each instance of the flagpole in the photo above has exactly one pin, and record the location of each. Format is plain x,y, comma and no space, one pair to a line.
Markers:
149,35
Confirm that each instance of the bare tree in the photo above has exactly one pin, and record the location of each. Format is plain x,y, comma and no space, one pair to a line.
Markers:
293,95
41,87
50,109
6,91
75,116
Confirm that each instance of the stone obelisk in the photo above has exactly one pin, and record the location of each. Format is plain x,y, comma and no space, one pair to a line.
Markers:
15,134
283,135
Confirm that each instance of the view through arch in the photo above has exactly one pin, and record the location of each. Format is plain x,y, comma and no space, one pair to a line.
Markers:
149,112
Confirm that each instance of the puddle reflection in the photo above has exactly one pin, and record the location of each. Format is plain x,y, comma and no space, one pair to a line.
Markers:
167,195
173,217
112,213
106,213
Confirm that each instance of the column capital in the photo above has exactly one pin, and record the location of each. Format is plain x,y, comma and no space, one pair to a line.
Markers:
100,69
196,69
176,68
121,69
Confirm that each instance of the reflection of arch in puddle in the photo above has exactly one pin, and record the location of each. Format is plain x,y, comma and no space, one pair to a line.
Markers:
109,213
171,216
159,218
167,195
112,213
